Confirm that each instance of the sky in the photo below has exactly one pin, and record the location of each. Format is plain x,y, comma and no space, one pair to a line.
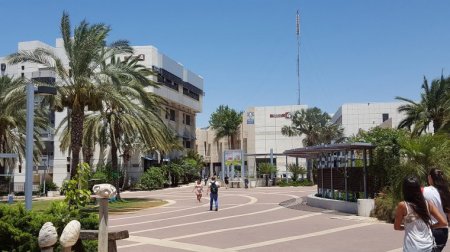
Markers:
351,51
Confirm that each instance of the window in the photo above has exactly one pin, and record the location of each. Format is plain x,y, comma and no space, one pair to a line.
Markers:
170,114
23,67
187,144
385,117
22,75
186,119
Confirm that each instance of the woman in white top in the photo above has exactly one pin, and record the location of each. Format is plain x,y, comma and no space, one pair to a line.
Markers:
414,213
439,194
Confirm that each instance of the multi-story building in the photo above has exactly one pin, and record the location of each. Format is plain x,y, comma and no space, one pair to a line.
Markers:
356,116
181,88
260,135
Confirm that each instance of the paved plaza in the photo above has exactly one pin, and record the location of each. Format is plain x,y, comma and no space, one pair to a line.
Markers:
256,219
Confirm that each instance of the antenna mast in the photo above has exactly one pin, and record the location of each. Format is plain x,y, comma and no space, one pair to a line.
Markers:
298,55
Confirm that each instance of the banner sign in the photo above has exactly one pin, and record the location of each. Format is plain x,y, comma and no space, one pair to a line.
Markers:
233,157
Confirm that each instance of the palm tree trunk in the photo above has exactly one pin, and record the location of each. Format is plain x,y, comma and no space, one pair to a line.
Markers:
76,138
115,161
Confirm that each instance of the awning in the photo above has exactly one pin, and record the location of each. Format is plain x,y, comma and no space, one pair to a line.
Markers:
314,151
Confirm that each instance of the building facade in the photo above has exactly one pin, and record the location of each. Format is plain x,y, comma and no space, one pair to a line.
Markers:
260,135
364,116
181,88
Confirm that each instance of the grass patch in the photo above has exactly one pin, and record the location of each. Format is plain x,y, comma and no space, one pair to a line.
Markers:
129,205
117,207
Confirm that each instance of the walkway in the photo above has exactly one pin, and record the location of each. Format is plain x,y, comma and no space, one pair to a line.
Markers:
261,219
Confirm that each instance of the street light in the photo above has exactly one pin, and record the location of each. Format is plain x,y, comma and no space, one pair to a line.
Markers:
31,91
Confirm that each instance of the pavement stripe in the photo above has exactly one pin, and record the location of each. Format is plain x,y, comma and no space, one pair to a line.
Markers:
396,250
299,237
171,244
253,200
243,227
210,220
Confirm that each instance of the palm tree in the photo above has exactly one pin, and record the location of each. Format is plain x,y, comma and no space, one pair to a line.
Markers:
13,121
315,125
76,83
433,108
226,122
129,114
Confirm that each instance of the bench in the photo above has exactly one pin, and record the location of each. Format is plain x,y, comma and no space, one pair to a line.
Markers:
113,236
238,182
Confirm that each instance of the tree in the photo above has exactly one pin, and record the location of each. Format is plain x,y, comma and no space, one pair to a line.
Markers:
226,122
77,82
13,121
315,125
267,170
317,128
296,170
433,108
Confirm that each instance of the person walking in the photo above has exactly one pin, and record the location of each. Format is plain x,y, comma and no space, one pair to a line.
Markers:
198,189
213,190
226,180
438,193
246,182
415,212
206,180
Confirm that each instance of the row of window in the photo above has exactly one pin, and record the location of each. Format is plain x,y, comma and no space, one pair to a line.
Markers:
171,115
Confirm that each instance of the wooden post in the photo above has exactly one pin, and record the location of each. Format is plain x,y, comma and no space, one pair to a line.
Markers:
103,226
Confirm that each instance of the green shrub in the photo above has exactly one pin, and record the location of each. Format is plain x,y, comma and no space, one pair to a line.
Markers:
49,186
385,207
19,228
305,182
153,178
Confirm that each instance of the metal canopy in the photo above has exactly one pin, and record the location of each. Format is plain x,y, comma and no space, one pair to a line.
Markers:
314,151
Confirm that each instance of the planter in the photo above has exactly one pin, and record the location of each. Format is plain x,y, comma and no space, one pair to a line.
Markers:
53,193
252,183
365,207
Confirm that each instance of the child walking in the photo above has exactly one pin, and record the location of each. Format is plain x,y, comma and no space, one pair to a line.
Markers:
198,189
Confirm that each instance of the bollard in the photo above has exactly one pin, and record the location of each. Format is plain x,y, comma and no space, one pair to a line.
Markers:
104,192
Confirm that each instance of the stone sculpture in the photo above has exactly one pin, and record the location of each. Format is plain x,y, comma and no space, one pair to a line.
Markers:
70,234
47,237
104,190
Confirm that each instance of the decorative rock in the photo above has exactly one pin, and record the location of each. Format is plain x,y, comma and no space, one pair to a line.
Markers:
104,190
47,235
70,234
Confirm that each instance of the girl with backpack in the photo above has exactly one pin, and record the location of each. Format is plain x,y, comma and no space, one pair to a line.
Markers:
438,193
415,213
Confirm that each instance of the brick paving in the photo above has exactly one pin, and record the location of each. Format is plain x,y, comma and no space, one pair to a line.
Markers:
256,219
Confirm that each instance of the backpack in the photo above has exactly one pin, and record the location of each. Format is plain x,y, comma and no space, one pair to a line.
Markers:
214,188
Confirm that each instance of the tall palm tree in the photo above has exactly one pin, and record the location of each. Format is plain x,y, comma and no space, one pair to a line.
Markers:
128,112
226,122
433,108
315,125
13,121
85,50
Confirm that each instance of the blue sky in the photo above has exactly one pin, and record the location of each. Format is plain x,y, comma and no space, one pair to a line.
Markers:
246,50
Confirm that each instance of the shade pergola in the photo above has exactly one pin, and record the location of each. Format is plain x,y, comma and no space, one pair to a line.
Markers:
336,157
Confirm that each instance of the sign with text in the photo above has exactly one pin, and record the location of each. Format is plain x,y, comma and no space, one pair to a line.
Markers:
286,115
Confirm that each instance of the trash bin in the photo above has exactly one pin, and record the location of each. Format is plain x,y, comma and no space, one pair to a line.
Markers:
10,198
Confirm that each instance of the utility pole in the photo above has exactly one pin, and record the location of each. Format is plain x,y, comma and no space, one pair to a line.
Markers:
298,54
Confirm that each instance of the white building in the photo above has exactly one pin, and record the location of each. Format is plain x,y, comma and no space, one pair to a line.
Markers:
356,116
182,88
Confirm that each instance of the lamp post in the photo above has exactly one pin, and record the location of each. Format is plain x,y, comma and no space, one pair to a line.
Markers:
31,90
